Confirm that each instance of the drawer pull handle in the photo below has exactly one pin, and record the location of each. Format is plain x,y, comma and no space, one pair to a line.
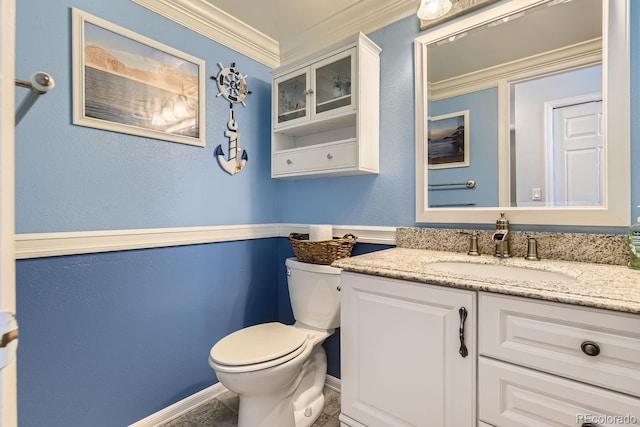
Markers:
589,425
289,161
590,348
463,316
329,156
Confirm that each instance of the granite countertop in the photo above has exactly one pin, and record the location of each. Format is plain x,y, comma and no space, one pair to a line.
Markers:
611,287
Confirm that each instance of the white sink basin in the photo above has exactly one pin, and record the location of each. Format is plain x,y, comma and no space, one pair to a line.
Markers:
507,272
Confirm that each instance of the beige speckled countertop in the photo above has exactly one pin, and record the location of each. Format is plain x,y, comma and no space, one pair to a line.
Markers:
612,287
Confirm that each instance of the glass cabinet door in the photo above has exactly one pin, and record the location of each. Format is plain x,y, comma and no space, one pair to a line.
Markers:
333,83
292,97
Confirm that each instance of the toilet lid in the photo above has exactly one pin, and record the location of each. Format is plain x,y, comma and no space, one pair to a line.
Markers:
257,344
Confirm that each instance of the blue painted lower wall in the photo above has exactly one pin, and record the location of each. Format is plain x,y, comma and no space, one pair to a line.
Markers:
108,339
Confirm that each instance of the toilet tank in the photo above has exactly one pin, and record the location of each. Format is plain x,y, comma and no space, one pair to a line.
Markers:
314,291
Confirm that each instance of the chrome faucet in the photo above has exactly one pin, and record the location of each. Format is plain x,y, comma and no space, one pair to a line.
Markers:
501,237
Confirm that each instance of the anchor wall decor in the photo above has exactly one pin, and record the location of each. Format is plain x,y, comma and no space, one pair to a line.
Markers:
233,87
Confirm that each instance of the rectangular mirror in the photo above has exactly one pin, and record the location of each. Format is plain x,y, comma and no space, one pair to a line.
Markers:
544,89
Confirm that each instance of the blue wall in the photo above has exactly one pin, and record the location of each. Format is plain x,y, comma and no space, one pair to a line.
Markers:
107,339
90,179
388,198
483,115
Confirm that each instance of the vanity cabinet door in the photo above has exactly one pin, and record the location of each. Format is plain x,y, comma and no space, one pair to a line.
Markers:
401,353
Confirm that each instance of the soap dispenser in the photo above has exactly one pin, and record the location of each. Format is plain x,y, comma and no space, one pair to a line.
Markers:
501,237
634,245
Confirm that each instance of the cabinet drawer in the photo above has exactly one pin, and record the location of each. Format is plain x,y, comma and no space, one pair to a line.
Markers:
510,396
320,158
551,337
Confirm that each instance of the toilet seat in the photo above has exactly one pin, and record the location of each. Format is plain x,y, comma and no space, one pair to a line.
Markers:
258,347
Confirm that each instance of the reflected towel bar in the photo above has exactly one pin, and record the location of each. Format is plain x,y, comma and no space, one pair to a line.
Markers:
469,184
452,205
40,84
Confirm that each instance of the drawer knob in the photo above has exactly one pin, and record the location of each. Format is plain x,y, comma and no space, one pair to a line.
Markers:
289,161
329,156
590,348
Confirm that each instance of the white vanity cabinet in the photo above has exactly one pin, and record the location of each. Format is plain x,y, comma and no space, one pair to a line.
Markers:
401,362
551,364
326,112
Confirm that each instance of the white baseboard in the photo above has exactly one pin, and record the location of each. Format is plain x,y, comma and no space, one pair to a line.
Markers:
182,407
333,383
185,405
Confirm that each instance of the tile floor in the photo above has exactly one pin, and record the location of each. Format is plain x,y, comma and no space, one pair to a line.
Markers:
223,412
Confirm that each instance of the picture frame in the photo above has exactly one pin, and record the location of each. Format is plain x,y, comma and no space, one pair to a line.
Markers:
448,140
125,82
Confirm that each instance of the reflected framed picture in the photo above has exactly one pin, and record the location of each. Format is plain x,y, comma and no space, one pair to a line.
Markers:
448,140
125,82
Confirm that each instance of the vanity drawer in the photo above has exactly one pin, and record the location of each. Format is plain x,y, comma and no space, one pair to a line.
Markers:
320,158
551,337
511,396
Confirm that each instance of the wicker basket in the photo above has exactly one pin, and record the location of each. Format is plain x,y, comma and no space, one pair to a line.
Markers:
322,251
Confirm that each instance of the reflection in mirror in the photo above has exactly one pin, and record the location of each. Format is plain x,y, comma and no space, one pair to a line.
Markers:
555,139
529,74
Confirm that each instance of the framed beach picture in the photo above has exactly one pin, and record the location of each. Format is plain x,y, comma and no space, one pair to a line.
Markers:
125,82
448,140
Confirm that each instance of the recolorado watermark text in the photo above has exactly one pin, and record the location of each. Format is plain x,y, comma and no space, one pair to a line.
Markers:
604,419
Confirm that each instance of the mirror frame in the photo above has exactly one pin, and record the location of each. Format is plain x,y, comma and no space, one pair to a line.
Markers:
616,209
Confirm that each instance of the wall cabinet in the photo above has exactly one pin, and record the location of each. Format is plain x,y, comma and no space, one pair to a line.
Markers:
326,112
400,353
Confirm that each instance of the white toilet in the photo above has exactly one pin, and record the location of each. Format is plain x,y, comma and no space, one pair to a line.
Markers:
279,370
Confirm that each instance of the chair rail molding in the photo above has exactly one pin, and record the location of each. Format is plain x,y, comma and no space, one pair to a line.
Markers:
39,245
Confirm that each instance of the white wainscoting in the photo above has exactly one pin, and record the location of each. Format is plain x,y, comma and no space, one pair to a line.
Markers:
38,245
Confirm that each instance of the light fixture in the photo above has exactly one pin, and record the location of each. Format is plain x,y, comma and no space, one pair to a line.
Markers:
432,9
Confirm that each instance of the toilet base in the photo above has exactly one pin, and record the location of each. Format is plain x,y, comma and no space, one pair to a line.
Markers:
308,401
299,404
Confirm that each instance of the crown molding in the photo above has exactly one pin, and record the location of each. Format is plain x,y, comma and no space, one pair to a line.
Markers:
338,27
217,25
574,56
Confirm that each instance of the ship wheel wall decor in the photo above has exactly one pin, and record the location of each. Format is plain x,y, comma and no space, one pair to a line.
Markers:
232,85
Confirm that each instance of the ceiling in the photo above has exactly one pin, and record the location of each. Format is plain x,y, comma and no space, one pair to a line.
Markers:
275,32
537,30
283,20
294,24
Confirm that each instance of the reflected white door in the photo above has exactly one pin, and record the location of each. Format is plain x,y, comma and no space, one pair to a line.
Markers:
8,395
577,155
